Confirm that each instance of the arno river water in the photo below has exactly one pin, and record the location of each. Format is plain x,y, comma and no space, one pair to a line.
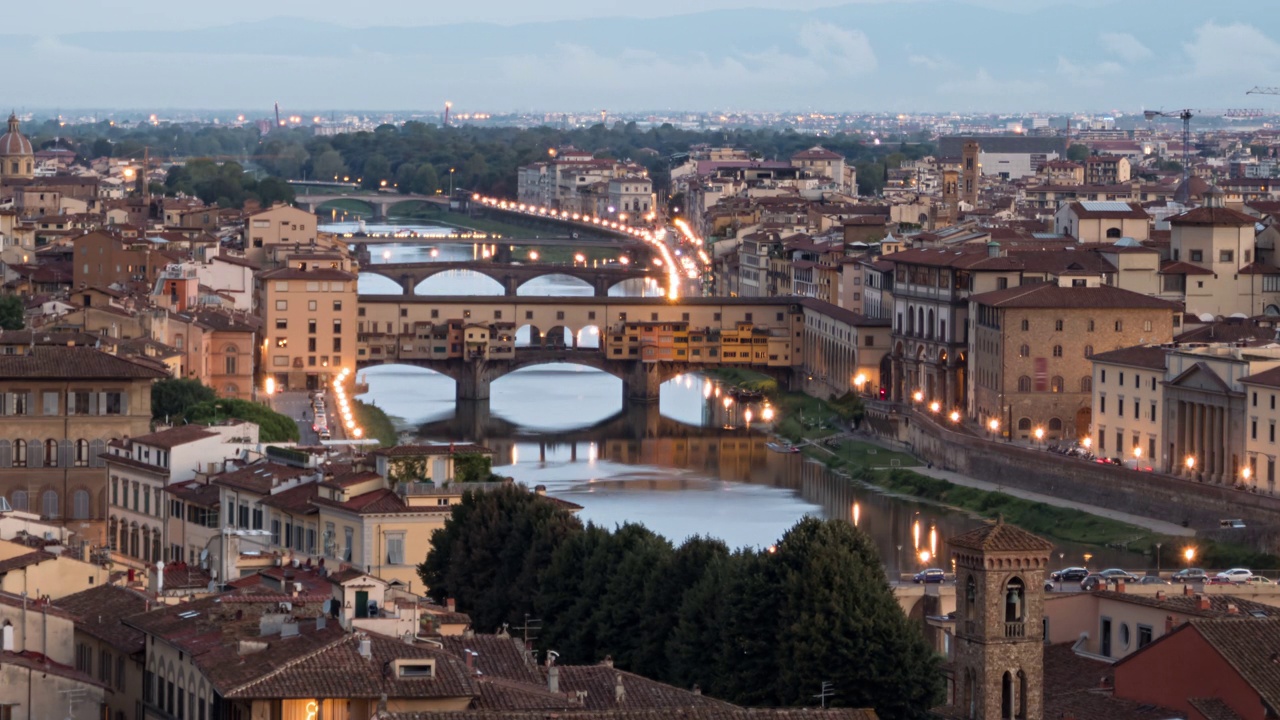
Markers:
684,467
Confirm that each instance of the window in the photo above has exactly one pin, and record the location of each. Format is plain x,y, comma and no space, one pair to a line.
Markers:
395,548
49,504
1086,384
1119,326
1055,385
282,304
1197,256
49,401
348,539
275,532
311,304
1024,384
1024,351
1090,325
1057,351
417,670
1144,636
1102,404
19,453
1146,325
114,403
1057,325
1026,325
337,306
1226,256
78,403
337,327
51,453
82,453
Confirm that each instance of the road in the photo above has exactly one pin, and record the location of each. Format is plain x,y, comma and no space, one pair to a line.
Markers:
297,405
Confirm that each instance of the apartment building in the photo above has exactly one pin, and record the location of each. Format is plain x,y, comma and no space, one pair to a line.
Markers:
1128,405
309,325
1031,347
61,406
1092,221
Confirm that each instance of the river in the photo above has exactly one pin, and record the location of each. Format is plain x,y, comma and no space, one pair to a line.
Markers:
687,466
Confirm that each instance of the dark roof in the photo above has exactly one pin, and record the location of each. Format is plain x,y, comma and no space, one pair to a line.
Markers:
80,363
294,501
289,273
1078,687
258,477
382,501
416,450
1178,267
174,436
1213,709
1269,378
1137,356
25,560
1229,330
1049,295
600,683
100,611
696,712
193,491
1213,216
501,656
1001,537
1250,649
338,670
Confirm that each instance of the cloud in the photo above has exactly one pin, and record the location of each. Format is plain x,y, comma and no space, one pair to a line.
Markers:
984,85
928,62
1124,46
847,51
1094,75
1218,50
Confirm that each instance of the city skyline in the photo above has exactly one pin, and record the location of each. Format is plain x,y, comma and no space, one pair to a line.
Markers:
891,55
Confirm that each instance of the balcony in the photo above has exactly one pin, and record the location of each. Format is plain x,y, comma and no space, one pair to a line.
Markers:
1015,629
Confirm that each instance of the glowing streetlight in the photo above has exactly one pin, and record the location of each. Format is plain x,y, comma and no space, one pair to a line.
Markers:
955,416
533,255
728,402
1137,453
994,424
579,257
925,556
766,414
271,386
935,406
747,415
1246,473
917,396
1191,463
860,381
1189,554
1087,443
1039,434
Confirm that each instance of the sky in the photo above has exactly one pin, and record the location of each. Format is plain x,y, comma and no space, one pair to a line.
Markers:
659,55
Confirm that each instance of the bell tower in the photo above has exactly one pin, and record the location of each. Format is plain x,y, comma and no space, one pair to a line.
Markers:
971,172
998,661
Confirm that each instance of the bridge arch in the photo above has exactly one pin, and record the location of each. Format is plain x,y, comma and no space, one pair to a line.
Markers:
454,281
335,204
583,286
407,202
528,336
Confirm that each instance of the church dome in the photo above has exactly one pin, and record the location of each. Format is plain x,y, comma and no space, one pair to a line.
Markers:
14,142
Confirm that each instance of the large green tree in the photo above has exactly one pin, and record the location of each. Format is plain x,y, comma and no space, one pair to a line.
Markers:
171,398
491,551
12,313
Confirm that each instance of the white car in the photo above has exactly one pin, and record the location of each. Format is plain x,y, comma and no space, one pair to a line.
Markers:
1236,575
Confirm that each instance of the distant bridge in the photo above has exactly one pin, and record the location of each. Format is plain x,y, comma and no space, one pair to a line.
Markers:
379,203
512,276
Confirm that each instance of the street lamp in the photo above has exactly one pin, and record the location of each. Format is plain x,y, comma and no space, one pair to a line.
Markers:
859,381
1189,554
994,425
925,555
955,416
451,182
1191,464
1246,473
1087,443
1039,433
1158,546
935,406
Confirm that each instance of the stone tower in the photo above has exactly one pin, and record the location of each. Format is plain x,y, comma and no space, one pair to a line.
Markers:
949,210
998,661
970,173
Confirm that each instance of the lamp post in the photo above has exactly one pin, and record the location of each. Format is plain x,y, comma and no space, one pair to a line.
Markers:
1039,433
451,182
1189,554
994,426
1158,546
1191,465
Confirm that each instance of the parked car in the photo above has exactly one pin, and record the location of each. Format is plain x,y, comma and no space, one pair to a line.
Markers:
1071,574
1190,575
1114,574
1236,575
1152,580
1048,585
1093,582
932,575
1260,580
1218,580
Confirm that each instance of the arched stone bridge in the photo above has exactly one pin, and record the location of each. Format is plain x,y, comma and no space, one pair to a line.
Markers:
511,276
379,203
641,381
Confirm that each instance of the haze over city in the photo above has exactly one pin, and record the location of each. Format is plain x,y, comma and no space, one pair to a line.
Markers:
499,56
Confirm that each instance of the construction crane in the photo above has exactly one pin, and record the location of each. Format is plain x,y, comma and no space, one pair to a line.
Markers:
1185,115
1259,90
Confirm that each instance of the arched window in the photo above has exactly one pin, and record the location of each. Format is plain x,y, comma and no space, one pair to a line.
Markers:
1024,423
1024,384
49,504
80,504
19,500
1006,695
1024,351
1014,600
1022,695
971,695
1113,233
82,453
1055,385
1057,351
19,453
970,597
51,453
1086,384
1057,325
928,329
1055,425
1026,325
1088,351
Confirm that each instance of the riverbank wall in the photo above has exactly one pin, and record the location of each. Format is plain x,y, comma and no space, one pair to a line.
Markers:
1201,506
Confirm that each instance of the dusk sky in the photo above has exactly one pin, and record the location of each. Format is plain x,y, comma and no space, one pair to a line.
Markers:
502,55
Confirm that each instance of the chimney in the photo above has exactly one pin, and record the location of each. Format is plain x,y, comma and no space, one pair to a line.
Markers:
608,661
619,692
697,689
366,648
1232,609
451,604
1202,602
540,489
1159,595
553,680
1187,590
1119,586
471,661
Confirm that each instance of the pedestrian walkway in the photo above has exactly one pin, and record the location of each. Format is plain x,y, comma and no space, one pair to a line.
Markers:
1160,526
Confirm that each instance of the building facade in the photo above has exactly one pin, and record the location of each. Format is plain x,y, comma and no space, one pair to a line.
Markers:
308,325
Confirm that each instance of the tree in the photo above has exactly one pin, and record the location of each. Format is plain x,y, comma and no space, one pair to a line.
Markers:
491,551
328,165
472,467
425,180
375,170
171,398
12,313
1077,153
272,426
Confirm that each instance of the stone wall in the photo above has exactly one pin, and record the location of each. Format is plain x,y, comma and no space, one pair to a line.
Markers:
1153,495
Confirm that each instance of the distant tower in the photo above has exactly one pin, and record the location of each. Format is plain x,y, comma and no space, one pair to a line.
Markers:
950,210
17,157
998,661
447,107
970,173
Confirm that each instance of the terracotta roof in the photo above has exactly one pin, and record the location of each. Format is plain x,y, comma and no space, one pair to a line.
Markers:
19,562
696,712
42,664
1213,216
1138,356
288,273
501,656
196,492
817,152
338,670
100,611
1228,330
1250,649
382,501
1178,267
640,693
258,477
1176,602
1267,378
57,362
295,500
1258,268
1001,537
1049,295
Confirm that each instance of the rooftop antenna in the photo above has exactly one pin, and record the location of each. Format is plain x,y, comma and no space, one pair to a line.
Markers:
828,690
